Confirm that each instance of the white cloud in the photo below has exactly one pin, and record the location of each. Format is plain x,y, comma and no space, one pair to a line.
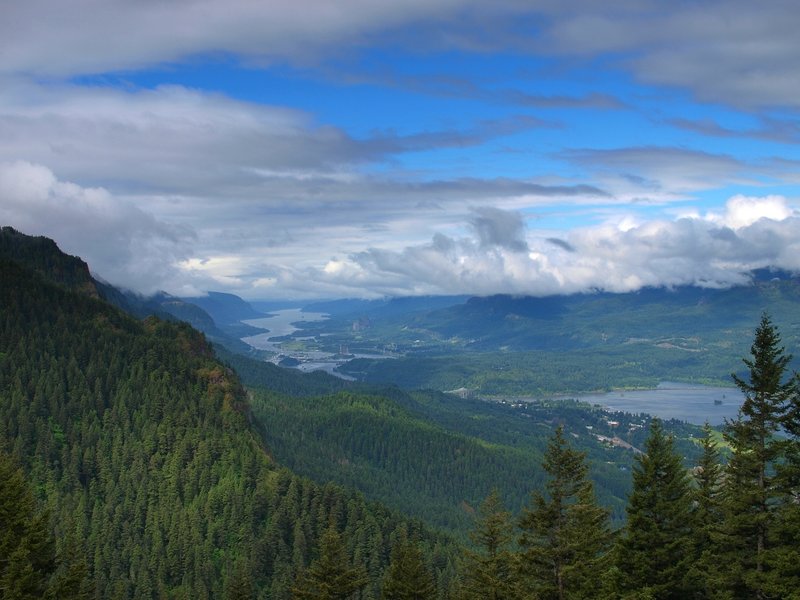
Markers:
272,195
89,36
735,52
130,247
712,251
742,211
122,244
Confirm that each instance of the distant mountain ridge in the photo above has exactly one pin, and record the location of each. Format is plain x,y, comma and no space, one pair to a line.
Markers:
576,320
225,308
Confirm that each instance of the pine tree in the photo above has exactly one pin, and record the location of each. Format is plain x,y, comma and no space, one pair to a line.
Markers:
654,551
488,573
751,493
565,536
331,576
407,577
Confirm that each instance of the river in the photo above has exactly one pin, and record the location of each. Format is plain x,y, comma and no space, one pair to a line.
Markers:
281,323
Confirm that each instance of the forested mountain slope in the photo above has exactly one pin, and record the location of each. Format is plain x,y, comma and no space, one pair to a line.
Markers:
143,448
434,455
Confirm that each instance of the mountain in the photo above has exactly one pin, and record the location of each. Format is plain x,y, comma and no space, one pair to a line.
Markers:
225,309
385,307
172,308
41,255
506,345
434,456
144,450
581,320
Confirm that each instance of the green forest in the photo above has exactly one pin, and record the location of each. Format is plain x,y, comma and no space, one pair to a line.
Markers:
139,461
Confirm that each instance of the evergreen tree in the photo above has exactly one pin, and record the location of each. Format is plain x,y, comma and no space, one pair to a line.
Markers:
331,576
28,565
706,517
488,573
240,583
654,551
784,557
565,536
407,577
751,493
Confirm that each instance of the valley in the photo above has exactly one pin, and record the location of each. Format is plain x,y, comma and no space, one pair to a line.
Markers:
151,443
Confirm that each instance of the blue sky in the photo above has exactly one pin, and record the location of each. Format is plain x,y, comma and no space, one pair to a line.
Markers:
367,148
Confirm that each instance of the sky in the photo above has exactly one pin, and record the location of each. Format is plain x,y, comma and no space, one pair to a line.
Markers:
306,149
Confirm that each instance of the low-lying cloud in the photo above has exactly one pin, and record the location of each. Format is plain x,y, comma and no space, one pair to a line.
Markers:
498,251
711,250
122,244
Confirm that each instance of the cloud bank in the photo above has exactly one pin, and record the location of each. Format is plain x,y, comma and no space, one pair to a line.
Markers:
498,252
711,250
122,244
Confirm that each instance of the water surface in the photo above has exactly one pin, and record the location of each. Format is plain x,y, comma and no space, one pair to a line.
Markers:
670,400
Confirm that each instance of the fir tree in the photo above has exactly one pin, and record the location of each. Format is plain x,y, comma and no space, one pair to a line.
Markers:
654,551
407,577
28,565
488,573
565,536
331,576
706,517
751,493
784,557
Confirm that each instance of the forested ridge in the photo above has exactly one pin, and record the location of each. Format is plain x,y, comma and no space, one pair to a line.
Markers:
135,465
141,449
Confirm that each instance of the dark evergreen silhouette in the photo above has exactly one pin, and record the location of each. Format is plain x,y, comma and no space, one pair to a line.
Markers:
752,495
331,576
408,577
488,570
707,516
565,534
654,552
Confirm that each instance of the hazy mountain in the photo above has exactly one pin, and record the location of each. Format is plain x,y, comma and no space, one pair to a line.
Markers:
225,308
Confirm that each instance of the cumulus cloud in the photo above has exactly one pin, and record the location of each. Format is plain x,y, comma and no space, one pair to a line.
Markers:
499,228
713,250
128,246
122,244
743,211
